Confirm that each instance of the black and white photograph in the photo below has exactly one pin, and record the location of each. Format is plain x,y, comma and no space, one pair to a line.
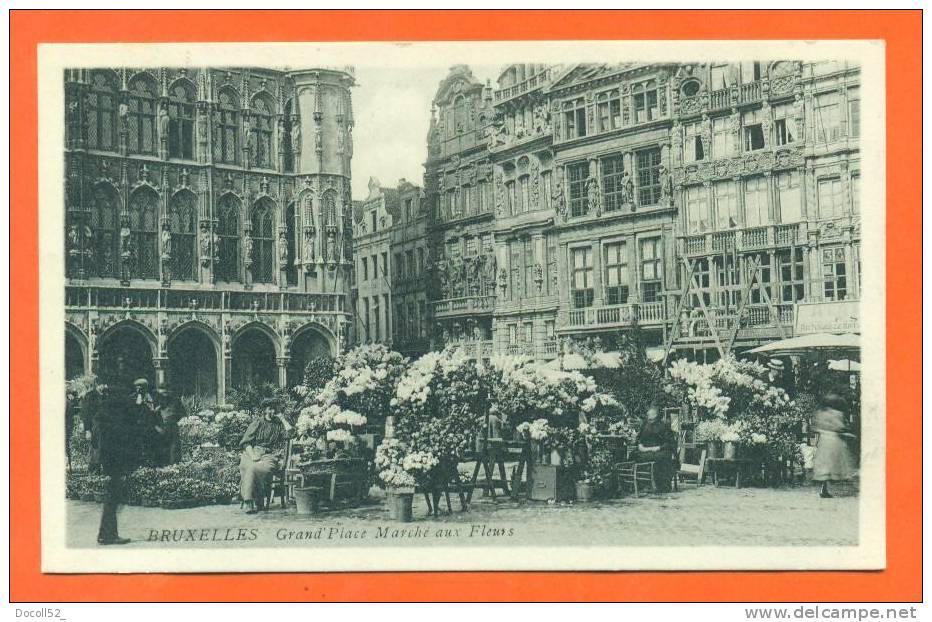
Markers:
569,306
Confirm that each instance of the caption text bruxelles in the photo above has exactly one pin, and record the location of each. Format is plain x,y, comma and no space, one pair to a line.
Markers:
332,533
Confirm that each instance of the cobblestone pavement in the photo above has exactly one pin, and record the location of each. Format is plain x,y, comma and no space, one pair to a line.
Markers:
793,516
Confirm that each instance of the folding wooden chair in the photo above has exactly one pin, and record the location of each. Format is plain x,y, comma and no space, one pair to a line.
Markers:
689,471
636,475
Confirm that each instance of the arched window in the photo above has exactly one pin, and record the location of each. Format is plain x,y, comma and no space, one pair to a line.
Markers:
181,125
184,235
228,268
330,210
459,115
226,117
263,242
102,112
286,139
291,273
105,223
143,224
261,129
141,130
308,210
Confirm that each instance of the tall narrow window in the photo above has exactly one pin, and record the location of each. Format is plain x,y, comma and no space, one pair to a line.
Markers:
784,126
181,121
368,319
790,266
645,102
827,118
144,225
228,268
530,285
753,130
287,142
546,187
648,163
721,138
141,131
612,182
726,279
184,235
291,271
102,112
651,269
106,225
616,273
511,199
261,129
856,193
365,268
756,209
574,118
516,270
750,72
694,150
726,205
609,108
831,199
525,194
834,275
720,77
854,112
583,292
226,142
698,217
789,199
764,279
263,242
550,276
576,175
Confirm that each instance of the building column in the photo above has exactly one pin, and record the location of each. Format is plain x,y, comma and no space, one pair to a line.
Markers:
282,363
227,383
634,271
160,363
599,297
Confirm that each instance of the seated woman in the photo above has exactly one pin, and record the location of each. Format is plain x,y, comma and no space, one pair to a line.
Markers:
262,443
656,443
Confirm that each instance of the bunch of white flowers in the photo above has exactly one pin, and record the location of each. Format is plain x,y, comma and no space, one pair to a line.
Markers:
537,430
339,435
422,461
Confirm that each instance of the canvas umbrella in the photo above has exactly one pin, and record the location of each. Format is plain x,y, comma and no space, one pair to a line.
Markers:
807,344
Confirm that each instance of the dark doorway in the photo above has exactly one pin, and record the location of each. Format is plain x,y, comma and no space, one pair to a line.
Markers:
74,357
306,346
192,364
125,355
254,359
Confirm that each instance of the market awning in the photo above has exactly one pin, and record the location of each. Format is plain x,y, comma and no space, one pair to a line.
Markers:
844,365
805,344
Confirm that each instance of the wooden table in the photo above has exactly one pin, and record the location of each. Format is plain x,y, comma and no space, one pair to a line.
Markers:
727,467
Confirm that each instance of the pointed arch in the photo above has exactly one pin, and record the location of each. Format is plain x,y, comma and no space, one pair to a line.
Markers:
182,211
262,218
102,103
144,226
194,356
125,352
261,129
226,122
228,210
254,348
181,97
141,115
105,227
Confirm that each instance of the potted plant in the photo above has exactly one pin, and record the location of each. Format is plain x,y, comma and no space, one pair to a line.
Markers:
306,499
730,440
587,486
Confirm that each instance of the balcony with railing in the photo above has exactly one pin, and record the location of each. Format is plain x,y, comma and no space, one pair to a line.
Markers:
537,80
751,238
614,316
758,321
199,300
476,348
467,305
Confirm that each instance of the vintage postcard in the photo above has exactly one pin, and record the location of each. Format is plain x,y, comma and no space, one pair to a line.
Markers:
462,306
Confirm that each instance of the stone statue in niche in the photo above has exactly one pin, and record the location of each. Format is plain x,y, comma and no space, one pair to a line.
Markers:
541,119
666,185
332,247
166,242
282,251
295,135
247,249
558,200
490,263
318,140
205,244
309,254
126,242
164,122
627,189
74,242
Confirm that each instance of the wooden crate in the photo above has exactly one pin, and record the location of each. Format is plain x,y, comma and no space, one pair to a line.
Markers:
548,482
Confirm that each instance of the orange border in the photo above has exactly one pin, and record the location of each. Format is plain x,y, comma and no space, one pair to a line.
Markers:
902,32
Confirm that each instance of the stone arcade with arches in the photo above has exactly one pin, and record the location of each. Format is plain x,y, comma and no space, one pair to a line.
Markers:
208,236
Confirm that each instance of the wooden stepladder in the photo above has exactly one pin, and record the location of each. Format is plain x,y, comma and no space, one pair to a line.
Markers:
491,454
691,282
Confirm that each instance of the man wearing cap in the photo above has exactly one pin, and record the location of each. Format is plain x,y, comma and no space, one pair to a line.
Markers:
778,376
262,444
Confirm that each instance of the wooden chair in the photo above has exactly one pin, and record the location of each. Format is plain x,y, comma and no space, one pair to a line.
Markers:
636,475
689,471
283,478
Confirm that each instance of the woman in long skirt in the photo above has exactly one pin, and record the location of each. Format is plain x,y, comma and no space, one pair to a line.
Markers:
261,445
832,461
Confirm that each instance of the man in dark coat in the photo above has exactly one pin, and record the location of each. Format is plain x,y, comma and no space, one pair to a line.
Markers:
169,413
657,443
117,431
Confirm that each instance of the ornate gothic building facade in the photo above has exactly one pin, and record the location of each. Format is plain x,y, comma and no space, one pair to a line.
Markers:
208,223
701,202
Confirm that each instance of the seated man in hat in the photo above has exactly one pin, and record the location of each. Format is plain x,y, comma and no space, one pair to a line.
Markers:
261,446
